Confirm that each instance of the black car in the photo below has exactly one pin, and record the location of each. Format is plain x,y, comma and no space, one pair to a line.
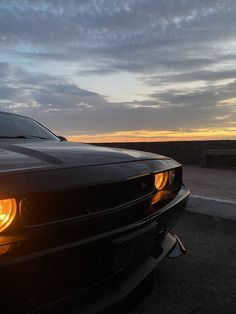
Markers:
80,220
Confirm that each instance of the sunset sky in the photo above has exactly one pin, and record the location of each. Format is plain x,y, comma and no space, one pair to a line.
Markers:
133,70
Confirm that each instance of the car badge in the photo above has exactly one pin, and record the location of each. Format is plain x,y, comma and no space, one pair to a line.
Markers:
143,185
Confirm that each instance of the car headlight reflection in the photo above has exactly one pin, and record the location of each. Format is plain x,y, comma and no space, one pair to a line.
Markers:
7,212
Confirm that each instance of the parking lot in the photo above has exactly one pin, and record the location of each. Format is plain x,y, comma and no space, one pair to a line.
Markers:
203,281
210,182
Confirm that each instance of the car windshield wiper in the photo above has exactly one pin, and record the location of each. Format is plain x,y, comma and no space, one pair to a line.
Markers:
24,137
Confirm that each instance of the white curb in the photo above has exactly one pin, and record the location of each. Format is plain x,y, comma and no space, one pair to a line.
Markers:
216,207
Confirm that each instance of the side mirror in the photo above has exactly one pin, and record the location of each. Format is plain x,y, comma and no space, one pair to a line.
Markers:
62,138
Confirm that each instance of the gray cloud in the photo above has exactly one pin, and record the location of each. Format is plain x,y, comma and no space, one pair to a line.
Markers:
194,76
66,107
118,31
163,43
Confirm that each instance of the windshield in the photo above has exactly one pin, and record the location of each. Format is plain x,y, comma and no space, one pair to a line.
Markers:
14,126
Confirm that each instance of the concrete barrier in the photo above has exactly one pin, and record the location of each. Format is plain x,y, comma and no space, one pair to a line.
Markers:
185,152
215,207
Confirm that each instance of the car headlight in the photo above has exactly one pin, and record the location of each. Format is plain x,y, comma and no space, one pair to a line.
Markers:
7,212
161,180
165,184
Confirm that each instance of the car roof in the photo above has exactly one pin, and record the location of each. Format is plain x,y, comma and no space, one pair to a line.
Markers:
14,114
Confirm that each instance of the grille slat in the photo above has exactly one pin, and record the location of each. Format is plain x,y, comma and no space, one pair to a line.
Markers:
48,207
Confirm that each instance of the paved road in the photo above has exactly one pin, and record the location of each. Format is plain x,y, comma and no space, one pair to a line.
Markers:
219,183
203,281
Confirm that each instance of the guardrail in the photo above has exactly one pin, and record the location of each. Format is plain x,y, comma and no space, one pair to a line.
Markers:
186,152
209,160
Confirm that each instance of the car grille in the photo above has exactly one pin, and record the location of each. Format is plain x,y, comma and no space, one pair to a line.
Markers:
49,207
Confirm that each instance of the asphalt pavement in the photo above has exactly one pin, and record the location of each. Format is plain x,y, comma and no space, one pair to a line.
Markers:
201,282
209,182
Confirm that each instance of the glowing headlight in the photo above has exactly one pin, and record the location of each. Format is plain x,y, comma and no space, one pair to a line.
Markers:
7,212
161,180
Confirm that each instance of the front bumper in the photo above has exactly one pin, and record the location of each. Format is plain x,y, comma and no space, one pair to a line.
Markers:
112,290
85,268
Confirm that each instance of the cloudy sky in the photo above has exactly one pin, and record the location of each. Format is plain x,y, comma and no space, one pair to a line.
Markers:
133,70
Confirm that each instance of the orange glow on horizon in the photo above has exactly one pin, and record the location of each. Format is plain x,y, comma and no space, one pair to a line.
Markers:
157,136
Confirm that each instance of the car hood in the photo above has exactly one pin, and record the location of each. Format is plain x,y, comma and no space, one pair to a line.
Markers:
16,155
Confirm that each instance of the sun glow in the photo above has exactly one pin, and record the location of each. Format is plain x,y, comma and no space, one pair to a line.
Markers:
157,135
